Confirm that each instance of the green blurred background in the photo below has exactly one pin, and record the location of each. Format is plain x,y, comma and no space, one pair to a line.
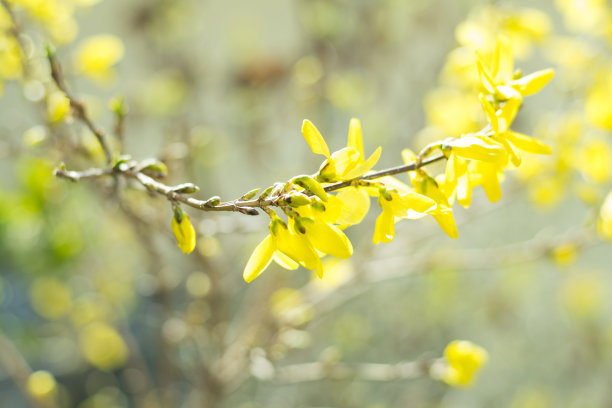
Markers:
98,294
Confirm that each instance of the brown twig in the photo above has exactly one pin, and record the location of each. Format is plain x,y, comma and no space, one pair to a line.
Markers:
248,207
79,109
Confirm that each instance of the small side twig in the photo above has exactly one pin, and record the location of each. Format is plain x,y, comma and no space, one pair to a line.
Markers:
80,112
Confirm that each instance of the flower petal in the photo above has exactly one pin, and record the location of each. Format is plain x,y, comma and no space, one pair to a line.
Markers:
364,167
314,139
476,148
260,259
328,239
385,227
532,83
356,205
355,140
183,232
527,143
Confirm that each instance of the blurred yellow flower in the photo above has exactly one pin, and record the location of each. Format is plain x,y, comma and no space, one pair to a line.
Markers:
51,298
58,106
96,56
41,385
463,361
102,346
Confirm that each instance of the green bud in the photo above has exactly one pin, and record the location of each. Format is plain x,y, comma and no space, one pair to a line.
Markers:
185,188
121,160
299,227
266,193
311,185
319,206
275,224
153,168
117,105
178,214
385,194
250,194
213,201
296,199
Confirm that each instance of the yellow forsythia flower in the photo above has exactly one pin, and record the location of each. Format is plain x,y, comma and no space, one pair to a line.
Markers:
183,231
464,359
346,163
96,56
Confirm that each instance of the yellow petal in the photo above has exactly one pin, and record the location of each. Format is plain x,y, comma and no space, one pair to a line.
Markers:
532,83
356,205
507,113
385,227
464,191
345,160
451,176
476,148
457,180
364,167
328,239
515,157
355,139
408,156
184,233
490,112
284,261
527,143
490,182
417,202
297,247
504,61
314,139
260,259
444,217
333,210
485,77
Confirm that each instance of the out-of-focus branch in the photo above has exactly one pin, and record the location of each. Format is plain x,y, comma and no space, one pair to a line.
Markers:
318,371
79,109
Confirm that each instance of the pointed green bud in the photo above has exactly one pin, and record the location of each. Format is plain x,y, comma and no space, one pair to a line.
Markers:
266,193
296,199
250,194
212,201
384,194
310,184
185,188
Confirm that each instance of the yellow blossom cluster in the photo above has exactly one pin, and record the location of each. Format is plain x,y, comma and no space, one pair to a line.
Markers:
316,217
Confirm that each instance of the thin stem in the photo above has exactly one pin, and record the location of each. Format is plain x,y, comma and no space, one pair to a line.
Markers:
77,106
248,207
317,371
